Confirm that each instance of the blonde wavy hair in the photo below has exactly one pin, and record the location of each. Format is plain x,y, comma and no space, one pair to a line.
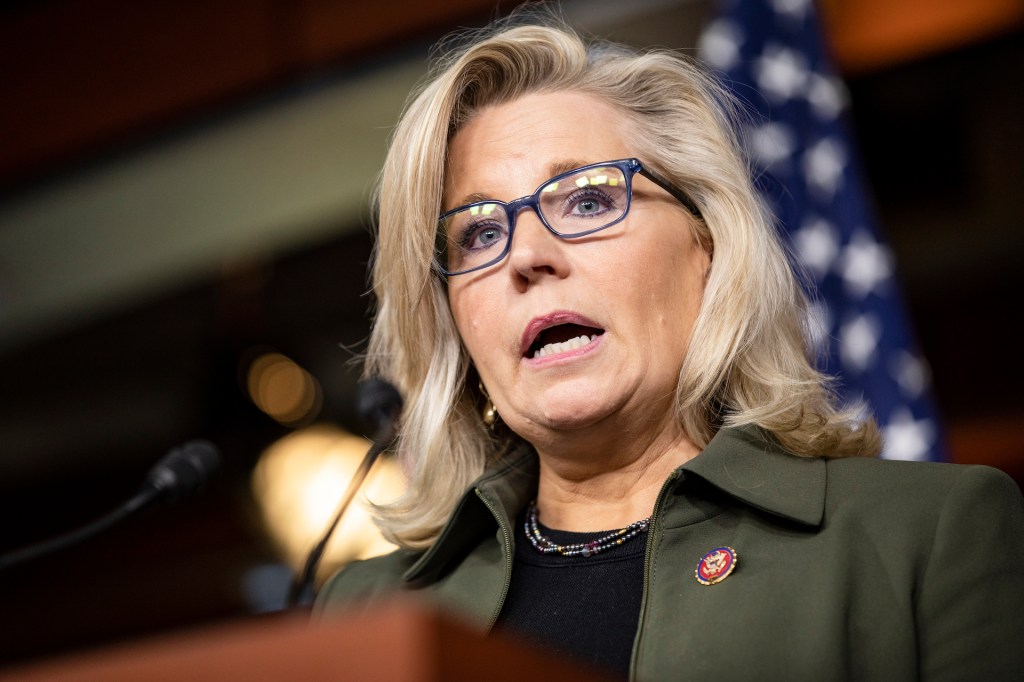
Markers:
748,360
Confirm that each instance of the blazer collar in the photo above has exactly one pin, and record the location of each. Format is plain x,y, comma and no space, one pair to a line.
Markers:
748,464
743,462
507,488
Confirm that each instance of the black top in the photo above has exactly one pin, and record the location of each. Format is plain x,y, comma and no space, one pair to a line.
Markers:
585,608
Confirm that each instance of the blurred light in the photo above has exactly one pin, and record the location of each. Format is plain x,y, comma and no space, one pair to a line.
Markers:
283,390
298,484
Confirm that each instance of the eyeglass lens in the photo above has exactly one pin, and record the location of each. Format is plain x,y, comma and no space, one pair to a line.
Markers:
572,205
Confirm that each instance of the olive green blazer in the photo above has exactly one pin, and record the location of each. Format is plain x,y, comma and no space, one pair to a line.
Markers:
847,569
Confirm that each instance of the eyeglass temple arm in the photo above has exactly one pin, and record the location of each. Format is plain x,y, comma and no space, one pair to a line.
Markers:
671,189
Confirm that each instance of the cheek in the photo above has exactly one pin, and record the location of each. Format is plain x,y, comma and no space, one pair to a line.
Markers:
471,321
460,313
676,286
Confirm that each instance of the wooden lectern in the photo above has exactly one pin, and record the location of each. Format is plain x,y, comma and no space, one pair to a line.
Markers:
397,642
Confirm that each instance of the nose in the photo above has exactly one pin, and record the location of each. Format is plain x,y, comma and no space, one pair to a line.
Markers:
535,251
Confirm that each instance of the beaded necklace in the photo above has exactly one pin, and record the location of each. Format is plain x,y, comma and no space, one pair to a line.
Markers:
586,549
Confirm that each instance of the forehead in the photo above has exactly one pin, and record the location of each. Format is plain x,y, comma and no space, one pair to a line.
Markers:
506,150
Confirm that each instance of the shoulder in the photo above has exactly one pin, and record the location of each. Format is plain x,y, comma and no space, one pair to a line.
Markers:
894,483
362,581
915,489
957,532
926,505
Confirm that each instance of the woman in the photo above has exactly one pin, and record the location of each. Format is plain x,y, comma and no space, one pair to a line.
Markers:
615,441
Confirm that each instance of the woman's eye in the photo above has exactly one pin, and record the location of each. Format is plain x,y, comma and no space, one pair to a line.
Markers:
589,204
481,236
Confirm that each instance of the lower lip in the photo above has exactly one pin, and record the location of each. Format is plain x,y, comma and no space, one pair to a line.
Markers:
566,356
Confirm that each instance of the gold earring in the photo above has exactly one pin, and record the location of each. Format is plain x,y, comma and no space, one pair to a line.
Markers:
490,412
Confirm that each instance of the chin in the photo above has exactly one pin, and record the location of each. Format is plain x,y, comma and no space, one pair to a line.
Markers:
569,415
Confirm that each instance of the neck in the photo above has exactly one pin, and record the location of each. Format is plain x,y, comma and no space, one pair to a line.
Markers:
590,487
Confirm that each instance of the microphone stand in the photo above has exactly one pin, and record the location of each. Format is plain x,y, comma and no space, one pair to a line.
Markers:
301,591
141,500
382,405
180,474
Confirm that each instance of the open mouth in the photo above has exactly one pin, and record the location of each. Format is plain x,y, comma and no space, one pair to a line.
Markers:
561,338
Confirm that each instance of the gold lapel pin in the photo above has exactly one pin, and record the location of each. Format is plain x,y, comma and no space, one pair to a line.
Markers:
716,565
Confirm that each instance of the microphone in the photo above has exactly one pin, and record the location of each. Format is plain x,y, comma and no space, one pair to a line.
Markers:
181,473
379,405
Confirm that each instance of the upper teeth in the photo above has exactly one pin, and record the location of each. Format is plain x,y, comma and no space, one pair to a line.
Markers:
571,344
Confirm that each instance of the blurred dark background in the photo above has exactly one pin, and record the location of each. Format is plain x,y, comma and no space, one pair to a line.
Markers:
184,185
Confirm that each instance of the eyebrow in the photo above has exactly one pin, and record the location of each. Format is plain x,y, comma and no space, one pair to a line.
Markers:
553,169
559,167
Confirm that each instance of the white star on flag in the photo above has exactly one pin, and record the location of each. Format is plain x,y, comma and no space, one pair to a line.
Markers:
817,242
911,373
823,166
781,73
906,437
719,44
771,145
827,96
794,9
858,340
865,264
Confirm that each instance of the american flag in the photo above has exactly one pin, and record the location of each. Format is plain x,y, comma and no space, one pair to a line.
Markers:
771,53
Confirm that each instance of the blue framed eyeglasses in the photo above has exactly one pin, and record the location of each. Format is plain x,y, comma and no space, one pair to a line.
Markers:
570,205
